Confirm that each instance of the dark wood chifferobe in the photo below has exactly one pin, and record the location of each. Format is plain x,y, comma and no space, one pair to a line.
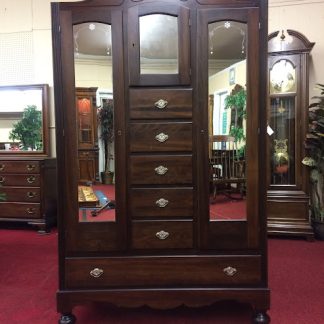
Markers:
166,239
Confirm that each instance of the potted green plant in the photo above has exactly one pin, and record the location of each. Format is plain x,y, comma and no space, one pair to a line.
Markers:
28,131
236,101
314,144
106,123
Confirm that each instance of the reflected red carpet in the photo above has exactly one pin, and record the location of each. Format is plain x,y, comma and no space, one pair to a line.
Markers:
28,282
224,207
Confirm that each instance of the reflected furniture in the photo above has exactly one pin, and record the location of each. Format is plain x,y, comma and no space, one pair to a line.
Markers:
87,134
288,190
27,177
162,249
227,168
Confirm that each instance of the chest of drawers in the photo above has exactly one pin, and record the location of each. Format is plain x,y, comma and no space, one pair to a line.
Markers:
29,185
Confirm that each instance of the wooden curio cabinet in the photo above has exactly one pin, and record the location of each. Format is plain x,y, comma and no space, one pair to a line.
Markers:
86,110
171,229
288,199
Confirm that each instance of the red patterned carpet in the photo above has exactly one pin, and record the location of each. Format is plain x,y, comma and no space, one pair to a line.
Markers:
28,282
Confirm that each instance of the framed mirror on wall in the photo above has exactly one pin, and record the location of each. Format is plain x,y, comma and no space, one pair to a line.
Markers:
24,119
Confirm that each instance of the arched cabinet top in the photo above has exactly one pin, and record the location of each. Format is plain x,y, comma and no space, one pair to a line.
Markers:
289,41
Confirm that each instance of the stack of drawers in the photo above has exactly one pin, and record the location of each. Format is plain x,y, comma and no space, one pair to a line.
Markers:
27,197
161,193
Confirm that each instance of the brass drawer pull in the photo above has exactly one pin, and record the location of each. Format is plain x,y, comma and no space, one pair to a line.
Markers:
162,137
31,211
2,167
162,235
161,170
96,272
31,179
230,271
2,179
31,194
161,104
162,202
30,167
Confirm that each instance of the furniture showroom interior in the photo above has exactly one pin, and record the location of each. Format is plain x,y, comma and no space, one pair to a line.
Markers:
162,161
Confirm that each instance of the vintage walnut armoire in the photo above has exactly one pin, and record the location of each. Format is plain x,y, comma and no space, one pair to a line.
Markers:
170,229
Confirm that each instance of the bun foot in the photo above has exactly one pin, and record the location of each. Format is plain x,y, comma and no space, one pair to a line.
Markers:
261,317
67,319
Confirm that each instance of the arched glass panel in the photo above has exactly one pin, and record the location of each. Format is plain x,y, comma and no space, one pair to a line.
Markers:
159,50
227,120
282,123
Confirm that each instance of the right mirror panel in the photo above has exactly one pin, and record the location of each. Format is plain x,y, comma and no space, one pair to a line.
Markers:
227,120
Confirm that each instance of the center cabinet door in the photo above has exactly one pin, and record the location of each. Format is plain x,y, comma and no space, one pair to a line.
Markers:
228,87
92,57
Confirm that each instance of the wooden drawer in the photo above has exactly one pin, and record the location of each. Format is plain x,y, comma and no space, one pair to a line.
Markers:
162,235
30,180
19,167
161,169
170,202
19,210
21,194
154,271
160,137
142,103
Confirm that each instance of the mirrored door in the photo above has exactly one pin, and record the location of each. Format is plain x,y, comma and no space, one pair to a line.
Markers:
93,138
229,123
95,121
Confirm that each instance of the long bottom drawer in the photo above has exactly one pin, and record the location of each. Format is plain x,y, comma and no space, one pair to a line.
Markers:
153,271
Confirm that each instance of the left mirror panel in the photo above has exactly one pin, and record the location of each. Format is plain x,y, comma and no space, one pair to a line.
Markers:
23,119
95,121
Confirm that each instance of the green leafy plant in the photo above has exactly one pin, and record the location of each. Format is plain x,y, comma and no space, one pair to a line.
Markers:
236,101
28,131
106,122
314,145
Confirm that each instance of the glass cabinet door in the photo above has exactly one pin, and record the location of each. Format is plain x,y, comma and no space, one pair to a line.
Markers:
282,117
229,122
159,47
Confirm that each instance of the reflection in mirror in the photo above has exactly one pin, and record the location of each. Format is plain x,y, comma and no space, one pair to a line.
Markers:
22,114
159,44
227,120
95,121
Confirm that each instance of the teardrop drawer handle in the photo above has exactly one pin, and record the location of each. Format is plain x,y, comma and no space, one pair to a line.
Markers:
162,235
2,179
30,211
162,202
161,104
96,272
31,194
31,179
230,271
161,170
2,167
162,137
30,167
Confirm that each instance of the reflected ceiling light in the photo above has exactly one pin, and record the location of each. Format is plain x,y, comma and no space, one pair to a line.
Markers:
227,24
92,26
